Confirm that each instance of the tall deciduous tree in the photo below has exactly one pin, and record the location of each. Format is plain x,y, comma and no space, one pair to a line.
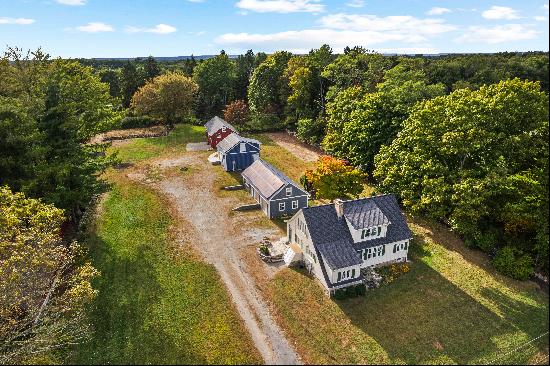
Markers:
478,159
356,67
44,288
151,68
268,91
60,106
131,80
169,97
244,68
216,80
359,123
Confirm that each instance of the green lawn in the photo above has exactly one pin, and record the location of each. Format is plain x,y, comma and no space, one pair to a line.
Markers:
283,160
157,303
146,148
445,310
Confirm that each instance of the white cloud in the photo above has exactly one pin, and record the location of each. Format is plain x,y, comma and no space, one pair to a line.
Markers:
545,7
72,2
343,30
497,34
438,11
158,29
281,6
401,24
17,21
356,3
500,12
540,18
95,27
304,40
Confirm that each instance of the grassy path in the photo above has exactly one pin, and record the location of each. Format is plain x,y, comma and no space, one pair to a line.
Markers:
157,303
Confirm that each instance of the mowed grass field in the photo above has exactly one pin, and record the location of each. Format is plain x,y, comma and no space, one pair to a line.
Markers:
141,149
451,308
158,303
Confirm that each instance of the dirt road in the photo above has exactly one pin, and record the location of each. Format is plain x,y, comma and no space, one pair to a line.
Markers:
219,238
296,147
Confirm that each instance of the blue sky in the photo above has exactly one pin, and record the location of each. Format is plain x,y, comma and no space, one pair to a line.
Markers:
131,28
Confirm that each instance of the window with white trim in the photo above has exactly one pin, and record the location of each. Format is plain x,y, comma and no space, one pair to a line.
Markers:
289,191
281,206
401,246
374,252
243,147
294,205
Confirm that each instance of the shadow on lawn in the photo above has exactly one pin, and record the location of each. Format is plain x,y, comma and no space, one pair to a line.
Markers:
422,317
125,330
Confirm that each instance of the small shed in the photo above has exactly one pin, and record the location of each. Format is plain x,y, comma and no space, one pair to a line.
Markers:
277,194
217,129
237,152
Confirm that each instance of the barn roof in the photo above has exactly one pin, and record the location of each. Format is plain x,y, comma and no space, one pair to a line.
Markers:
233,139
266,178
216,123
326,229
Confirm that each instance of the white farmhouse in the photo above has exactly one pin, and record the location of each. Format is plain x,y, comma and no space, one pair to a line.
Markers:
336,241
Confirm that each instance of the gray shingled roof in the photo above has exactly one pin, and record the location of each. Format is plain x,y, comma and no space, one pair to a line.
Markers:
364,214
326,228
216,123
339,254
233,139
266,178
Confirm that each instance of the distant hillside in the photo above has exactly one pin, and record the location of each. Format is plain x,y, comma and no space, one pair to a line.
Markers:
160,59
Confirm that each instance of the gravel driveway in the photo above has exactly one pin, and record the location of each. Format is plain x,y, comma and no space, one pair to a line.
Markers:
220,237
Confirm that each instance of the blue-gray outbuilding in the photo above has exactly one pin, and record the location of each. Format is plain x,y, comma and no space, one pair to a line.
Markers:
277,194
238,153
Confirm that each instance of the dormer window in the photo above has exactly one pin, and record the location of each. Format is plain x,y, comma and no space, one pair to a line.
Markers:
371,232
289,191
224,129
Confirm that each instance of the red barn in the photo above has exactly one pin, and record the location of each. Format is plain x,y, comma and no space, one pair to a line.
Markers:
217,129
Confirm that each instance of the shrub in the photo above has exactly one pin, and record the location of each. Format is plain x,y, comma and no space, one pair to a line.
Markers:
339,294
513,263
237,113
310,130
350,292
360,290
264,250
138,122
487,241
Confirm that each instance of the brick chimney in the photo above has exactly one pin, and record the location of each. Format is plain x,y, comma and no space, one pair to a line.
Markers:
339,207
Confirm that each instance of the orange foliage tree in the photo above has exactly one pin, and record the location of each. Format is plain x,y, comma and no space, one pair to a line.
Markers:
333,178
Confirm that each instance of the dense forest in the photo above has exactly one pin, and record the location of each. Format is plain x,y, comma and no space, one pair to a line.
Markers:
462,139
